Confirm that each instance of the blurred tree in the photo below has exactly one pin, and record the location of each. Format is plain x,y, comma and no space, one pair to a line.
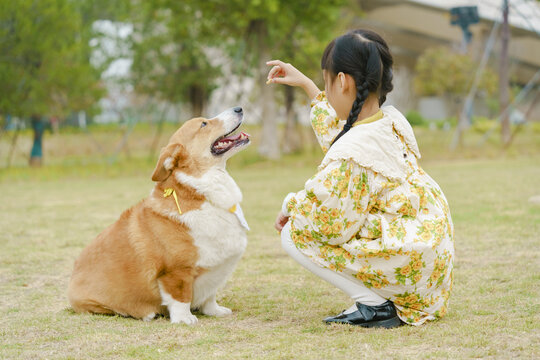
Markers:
255,31
441,72
174,41
97,10
92,10
304,47
43,67
170,45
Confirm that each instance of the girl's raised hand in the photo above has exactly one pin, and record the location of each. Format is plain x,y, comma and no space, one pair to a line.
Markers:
284,73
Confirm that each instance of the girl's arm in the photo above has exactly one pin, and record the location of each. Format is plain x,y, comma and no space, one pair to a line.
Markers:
283,73
324,121
323,117
333,205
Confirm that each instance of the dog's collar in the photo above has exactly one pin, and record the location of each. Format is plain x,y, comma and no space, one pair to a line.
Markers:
235,209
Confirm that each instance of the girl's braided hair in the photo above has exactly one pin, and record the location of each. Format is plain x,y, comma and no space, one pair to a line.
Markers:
365,56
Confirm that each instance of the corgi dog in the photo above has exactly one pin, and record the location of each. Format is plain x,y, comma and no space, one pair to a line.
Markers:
170,253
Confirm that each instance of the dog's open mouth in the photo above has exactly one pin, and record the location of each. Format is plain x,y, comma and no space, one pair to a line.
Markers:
229,141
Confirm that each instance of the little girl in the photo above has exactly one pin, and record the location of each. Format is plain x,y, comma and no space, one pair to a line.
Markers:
371,221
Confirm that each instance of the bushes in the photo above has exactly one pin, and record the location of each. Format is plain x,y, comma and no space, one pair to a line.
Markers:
535,127
483,124
415,119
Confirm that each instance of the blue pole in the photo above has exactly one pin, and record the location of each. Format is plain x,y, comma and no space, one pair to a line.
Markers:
36,154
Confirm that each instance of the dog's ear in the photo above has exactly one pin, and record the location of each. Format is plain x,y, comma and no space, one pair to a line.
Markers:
169,158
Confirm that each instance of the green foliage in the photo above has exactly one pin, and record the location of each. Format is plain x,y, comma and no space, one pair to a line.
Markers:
414,118
256,31
170,50
295,31
44,68
439,71
173,41
535,127
482,124
91,10
310,27
95,10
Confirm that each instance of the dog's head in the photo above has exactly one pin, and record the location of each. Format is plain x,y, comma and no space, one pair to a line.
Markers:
201,144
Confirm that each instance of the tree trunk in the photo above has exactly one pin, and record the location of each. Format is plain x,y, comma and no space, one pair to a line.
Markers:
36,154
197,100
535,101
462,122
157,135
292,140
504,96
13,145
269,145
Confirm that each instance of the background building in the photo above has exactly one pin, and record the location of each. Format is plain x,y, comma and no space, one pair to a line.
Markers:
412,26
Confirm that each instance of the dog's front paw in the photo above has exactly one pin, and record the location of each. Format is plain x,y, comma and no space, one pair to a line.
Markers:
216,310
188,319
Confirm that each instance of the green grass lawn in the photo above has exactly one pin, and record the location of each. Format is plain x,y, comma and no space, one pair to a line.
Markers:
48,215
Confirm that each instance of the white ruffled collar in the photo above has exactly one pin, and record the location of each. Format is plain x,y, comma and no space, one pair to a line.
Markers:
375,146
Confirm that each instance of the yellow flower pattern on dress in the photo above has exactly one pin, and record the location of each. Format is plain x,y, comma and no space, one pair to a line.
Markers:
395,238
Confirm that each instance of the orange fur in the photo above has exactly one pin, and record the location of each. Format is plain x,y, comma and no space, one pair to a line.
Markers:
118,272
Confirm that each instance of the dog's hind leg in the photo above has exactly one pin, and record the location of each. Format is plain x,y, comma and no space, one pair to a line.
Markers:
90,306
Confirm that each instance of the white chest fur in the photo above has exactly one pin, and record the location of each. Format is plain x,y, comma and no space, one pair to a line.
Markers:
217,234
216,231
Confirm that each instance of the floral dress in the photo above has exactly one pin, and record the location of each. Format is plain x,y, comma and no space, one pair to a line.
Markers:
373,214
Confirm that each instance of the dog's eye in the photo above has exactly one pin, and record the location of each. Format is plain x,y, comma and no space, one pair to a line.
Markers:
203,124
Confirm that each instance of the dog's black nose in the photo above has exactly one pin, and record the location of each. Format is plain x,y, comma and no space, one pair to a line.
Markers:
238,110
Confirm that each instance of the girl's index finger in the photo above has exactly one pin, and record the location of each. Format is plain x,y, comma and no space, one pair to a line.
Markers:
275,63
273,71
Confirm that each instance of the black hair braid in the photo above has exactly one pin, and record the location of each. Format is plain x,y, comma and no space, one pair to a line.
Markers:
386,85
387,75
364,55
362,93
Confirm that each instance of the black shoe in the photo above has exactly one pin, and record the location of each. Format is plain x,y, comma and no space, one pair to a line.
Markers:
383,315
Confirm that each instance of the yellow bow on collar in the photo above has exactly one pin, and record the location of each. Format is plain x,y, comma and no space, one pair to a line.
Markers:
170,191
